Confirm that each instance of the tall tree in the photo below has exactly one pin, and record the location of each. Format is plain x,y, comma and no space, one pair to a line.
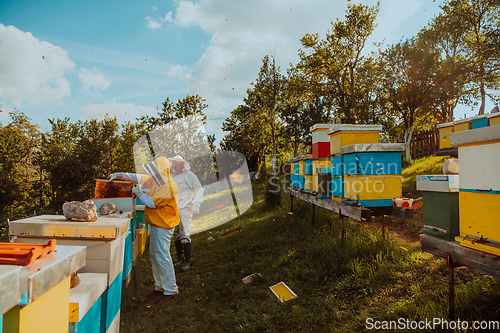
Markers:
331,68
480,21
260,114
409,79
445,35
19,143
57,161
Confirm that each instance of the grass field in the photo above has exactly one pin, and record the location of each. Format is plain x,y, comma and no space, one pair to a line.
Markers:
340,284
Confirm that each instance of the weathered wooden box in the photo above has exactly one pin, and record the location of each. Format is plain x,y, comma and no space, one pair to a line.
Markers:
344,134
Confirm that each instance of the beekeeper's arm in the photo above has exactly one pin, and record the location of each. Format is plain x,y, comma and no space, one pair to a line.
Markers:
133,177
198,190
145,199
163,196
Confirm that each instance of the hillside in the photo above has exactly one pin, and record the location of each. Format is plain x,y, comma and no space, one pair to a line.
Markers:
340,284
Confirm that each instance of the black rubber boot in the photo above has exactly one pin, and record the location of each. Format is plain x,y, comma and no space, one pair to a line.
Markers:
180,253
188,262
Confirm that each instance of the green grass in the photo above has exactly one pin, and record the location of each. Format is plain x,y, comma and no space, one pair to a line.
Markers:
339,283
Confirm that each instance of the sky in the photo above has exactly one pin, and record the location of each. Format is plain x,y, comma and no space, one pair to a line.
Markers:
86,59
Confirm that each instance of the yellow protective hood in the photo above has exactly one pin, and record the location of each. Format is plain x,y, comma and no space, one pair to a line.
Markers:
165,214
163,166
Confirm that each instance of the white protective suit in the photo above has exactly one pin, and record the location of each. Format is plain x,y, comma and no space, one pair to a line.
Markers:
189,192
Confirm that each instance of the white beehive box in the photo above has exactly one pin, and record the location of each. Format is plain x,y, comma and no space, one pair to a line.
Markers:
438,183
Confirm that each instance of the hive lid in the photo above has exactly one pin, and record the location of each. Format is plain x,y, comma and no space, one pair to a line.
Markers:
316,127
438,183
351,127
478,135
39,277
448,124
372,147
57,226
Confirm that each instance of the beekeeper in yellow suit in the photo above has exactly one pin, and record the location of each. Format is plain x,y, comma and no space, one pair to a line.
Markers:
189,201
162,213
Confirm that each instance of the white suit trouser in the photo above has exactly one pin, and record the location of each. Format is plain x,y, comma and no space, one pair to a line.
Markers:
183,231
163,267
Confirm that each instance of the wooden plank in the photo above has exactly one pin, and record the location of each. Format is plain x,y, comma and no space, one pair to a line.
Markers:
448,152
402,213
483,262
356,213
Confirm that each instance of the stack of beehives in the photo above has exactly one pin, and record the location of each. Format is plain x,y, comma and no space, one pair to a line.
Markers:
364,172
349,164
446,129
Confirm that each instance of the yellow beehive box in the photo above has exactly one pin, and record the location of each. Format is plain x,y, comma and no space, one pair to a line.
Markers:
141,241
302,168
372,187
315,183
344,134
444,142
460,126
494,119
445,130
444,134
48,313
321,163
479,215
308,183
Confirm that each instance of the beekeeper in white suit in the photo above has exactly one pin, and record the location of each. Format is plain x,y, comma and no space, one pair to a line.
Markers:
190,197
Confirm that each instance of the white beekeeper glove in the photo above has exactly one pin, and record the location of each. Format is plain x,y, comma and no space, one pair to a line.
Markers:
116,176
137,192
196,208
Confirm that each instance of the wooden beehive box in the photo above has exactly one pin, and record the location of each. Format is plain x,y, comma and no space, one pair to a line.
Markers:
112,189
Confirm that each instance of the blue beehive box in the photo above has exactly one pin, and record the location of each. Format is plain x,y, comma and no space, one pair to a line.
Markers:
308,167
337,166
127,256
301,182
479,122
337,184
372,163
